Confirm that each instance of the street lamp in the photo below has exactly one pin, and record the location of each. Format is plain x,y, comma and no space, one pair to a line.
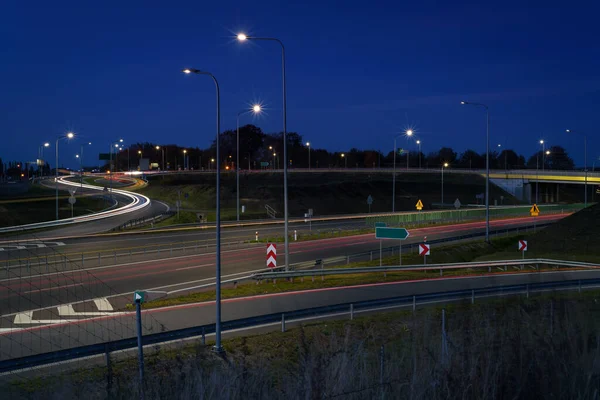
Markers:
242,38
487,168
162,166
585,160
444,165
308,146
394,173
255,109
116,145
80,156
409,133
218,347
419,143
345,160
68,136
543,152
41,156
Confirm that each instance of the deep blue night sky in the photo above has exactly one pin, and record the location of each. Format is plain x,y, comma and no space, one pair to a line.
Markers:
357,74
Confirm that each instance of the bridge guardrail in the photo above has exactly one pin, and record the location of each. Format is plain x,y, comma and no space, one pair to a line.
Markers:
421,267
33,361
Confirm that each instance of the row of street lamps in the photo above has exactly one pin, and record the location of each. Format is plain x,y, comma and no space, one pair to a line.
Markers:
242,38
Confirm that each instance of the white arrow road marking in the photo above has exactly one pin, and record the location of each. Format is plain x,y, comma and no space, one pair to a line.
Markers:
103,304
27,318
69,311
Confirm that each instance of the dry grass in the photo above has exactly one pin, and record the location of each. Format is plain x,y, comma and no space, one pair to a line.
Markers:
546,347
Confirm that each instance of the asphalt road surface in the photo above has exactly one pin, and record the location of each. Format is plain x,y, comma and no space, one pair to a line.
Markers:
27,288
90,227
34,340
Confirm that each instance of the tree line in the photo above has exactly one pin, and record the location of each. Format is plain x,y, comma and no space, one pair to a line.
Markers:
264,150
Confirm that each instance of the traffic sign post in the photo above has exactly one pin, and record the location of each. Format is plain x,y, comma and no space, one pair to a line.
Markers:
138,298
419,205
271,255
424,250
523,247
534,211
390,233
369,202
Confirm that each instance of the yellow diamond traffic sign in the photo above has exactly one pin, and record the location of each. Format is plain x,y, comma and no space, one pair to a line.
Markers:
534,210
419,205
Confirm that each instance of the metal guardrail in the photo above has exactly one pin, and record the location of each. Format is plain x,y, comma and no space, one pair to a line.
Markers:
420,267
106,348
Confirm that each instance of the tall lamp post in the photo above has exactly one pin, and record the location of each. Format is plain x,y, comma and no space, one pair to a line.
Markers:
242,38
81,166
255,109
218,347
111,170
419,144
41,155
69,135
308,147
487,167
444,165
584,162
543,154
409,132
162,166
345,160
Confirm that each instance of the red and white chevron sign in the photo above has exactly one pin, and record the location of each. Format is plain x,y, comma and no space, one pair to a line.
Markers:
424,249
522,245
271,255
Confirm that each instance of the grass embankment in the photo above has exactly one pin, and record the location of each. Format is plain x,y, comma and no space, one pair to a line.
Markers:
443,254
576,238
28,212
545,346
326,193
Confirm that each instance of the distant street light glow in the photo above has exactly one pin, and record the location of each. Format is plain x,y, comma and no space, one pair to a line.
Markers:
256,108
409,132
241,37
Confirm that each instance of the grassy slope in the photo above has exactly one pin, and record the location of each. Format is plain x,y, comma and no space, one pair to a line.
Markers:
576,237
325,193
540,347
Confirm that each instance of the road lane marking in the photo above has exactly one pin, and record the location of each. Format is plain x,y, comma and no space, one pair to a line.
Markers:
102,304
68,311
26,318
195,266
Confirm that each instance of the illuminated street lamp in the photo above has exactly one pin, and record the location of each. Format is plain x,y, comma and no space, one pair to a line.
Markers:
487,168
308,147
419,143
345,160
218,347
162,166
444,165
585,160
407,133
256,110
69,135
41,156
242,38
80,156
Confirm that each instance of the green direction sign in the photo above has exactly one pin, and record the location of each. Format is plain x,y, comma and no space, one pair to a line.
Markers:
104,156
391,233
139,296
380,224
264,163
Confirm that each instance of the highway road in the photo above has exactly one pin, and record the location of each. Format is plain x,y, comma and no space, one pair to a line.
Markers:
101,328
28,288
92,226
